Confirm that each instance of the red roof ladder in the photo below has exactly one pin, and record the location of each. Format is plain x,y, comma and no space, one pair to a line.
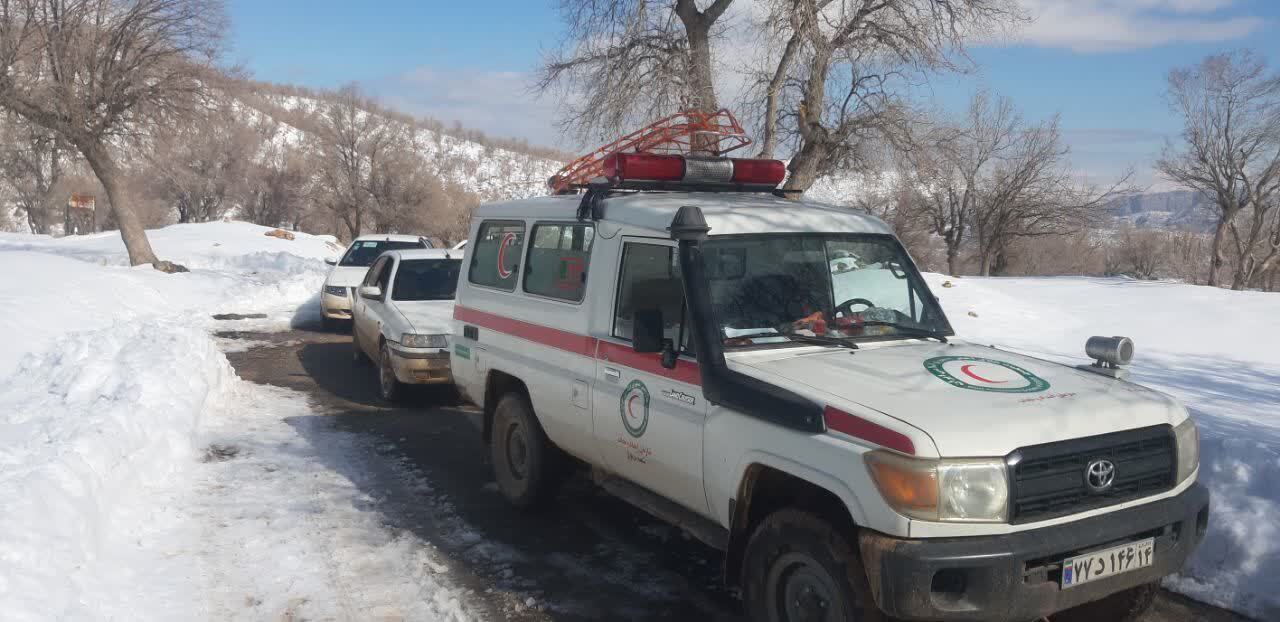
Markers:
685,132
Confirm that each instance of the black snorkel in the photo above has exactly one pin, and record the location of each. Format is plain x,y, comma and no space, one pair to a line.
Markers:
721,385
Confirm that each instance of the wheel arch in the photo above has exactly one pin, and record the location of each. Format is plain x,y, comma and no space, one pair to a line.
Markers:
767,483
496,384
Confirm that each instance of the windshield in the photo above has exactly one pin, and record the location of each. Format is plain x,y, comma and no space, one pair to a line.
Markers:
779,288
426,279
364,252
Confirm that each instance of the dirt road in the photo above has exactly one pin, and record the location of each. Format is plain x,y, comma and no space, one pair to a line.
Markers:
588,557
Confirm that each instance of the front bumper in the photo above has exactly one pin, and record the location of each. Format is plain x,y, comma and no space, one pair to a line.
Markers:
335,307
1015,577
417,367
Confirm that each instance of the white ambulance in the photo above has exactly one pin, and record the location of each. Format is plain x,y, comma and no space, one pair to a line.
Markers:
774,377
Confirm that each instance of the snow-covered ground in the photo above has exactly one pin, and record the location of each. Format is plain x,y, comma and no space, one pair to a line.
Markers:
116,409
1217,351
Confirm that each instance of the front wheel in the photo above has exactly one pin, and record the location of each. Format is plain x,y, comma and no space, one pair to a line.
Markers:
799,568
390,386
1126,606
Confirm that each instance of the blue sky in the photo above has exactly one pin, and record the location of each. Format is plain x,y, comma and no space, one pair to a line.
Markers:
1099,63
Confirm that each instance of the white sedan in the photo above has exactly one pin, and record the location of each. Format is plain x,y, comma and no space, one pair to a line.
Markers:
403,316
338,293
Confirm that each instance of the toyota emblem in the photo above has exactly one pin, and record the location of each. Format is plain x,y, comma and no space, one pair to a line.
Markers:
1100,475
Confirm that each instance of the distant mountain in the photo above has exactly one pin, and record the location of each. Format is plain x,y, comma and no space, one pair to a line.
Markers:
1178,209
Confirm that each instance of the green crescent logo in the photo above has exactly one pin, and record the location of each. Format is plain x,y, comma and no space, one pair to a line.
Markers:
634,408
972,375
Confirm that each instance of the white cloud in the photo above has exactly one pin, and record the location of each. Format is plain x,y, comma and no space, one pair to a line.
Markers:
497,103
1110,25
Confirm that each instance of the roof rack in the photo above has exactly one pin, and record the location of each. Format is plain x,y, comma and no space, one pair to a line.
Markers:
688,132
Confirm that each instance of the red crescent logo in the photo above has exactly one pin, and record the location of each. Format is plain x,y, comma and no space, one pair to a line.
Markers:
965,370
507,238
631,413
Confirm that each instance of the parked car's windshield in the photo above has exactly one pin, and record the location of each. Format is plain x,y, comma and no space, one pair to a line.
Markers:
778,288
364,252
426,279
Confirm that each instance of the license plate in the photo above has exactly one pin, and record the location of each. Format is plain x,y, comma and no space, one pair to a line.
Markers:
1107,563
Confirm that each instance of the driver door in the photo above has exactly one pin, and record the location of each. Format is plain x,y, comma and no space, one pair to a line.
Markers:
649,420
366,319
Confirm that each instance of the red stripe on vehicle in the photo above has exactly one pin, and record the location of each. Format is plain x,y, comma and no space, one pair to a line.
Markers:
684,371
857,427
545,335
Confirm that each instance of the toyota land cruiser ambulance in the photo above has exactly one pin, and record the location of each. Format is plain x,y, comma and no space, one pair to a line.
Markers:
775,377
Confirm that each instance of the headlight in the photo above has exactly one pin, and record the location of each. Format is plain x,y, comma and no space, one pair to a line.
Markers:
334,290
970,490
1188,439
410,340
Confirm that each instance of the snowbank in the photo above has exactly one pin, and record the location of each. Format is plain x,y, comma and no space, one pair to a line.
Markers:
106,374
1215,350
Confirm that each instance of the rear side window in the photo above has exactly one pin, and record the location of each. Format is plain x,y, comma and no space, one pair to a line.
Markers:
558,259
495,254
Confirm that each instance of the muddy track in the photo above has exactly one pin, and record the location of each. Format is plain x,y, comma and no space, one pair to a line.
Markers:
586,557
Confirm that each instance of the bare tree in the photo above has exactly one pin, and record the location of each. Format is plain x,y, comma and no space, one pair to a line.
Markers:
350,147
96,72
32,161
631,61
276,187
953,164
834,85
1230,153
1033,193
203,165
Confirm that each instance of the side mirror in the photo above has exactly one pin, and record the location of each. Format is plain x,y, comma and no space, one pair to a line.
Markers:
331,261
371,291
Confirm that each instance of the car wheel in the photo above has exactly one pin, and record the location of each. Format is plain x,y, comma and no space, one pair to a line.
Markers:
797,567
524,462
1126,606
390,386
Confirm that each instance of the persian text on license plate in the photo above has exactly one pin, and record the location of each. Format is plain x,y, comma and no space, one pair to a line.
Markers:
1107,563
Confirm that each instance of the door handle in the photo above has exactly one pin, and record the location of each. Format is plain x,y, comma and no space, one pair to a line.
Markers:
612,374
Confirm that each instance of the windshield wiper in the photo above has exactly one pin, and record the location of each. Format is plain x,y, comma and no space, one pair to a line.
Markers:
909,330
825,341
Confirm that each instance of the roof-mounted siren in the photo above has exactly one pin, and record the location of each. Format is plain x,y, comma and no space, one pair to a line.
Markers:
685,150
644,171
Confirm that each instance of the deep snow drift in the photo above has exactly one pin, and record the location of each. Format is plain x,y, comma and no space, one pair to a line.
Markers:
1216,351
111,389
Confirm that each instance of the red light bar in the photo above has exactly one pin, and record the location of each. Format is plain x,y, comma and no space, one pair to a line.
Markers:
763,172
662,169
644,166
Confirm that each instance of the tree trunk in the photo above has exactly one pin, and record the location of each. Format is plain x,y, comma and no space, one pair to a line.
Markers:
1215,255
135,237
953,259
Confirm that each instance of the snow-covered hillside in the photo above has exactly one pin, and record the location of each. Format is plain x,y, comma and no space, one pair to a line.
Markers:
1213,349
494,173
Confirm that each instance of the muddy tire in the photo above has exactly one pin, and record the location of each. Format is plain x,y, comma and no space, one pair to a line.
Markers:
798,567
524,461
1126,606
389,386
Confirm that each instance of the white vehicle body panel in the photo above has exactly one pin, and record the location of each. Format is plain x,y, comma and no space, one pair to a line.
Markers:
696,454
389,319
